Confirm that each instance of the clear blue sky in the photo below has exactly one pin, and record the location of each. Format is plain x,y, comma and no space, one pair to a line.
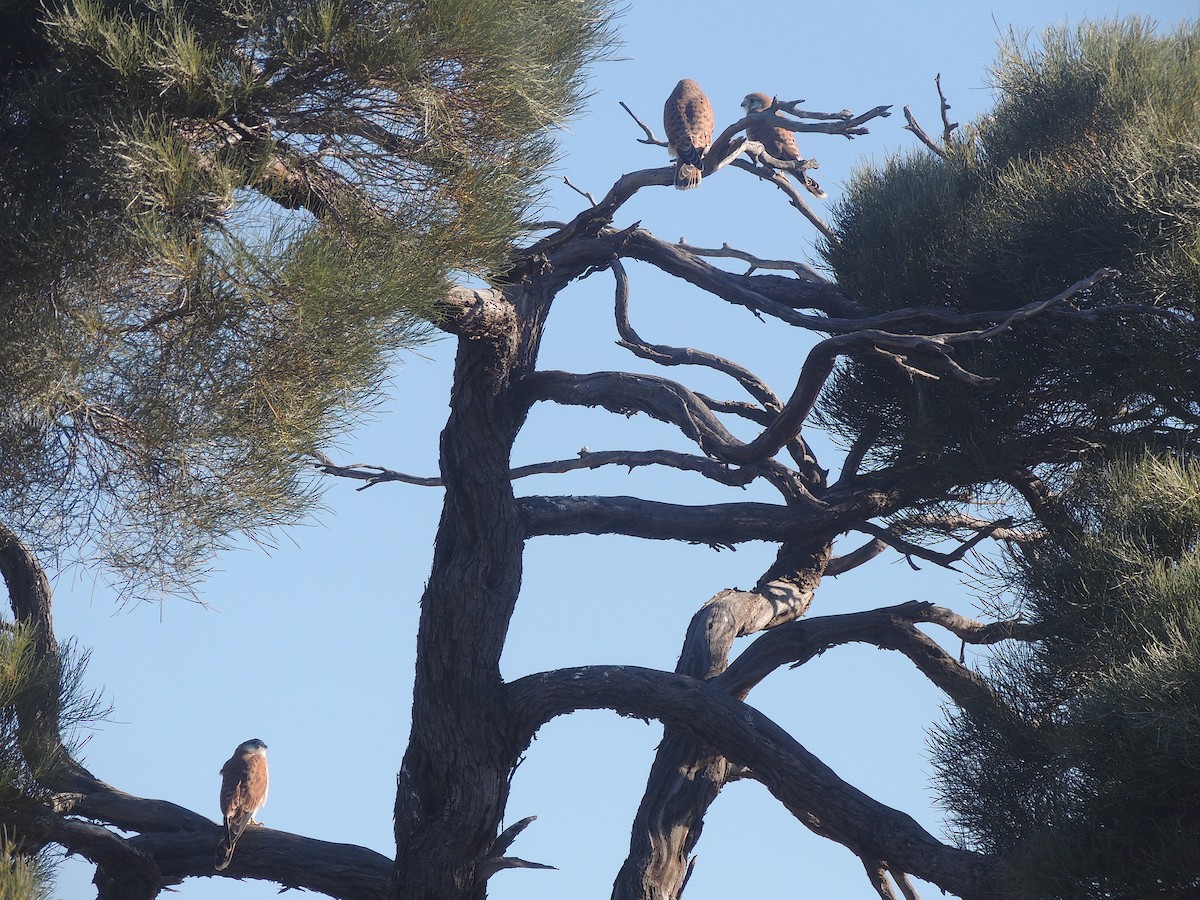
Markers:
309,646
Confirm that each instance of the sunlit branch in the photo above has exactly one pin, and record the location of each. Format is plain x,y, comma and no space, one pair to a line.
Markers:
839,565
844,123
947,126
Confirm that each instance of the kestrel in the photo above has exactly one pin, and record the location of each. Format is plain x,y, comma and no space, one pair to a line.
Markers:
243,794
688,121
779,143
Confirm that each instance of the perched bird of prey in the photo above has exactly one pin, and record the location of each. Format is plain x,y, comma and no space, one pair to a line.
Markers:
688,121
243,794
778,142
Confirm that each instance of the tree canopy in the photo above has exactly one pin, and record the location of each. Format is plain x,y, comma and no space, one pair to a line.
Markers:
1086,786
219,222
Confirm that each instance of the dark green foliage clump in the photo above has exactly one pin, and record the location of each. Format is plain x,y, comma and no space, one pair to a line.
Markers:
218,222
1094,794
1090,160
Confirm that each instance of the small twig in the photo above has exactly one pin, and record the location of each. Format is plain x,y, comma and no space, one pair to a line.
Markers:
586,194
649,138
946,560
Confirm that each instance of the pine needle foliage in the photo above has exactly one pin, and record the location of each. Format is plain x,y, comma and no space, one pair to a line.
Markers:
29,686
219,221
1093,796
23,877
1090,159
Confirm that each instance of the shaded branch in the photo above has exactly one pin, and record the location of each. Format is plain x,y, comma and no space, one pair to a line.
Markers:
681,356
344,871
587,459
807,273
123,871
946,560
718,525
800,780
890,628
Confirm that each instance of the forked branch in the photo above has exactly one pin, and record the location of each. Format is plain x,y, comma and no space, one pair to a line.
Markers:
712,717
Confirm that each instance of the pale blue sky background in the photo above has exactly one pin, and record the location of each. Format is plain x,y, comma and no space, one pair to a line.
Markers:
310,646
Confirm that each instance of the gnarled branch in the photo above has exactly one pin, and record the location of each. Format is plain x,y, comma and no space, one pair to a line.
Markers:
710,716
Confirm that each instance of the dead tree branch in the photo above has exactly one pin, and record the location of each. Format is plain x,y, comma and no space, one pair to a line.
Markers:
712,717
945,560
808,273
679,356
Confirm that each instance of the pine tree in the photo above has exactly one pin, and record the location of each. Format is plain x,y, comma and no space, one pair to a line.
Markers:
220,220
1088,789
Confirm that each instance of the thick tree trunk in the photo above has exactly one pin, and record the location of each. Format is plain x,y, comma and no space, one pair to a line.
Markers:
687,777
453,787
454,781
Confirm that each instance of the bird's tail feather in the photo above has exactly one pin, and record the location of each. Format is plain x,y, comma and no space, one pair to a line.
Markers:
687,176
225,846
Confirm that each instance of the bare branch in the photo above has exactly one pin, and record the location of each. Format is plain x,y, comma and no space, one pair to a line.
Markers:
123,871
947,126
844,123
496,859
890,628
877,874
803,271
946,560
679,356
924,138
839,565
371,474
794,197
587,195
718,525
649,138
802,782
587,459
950,523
